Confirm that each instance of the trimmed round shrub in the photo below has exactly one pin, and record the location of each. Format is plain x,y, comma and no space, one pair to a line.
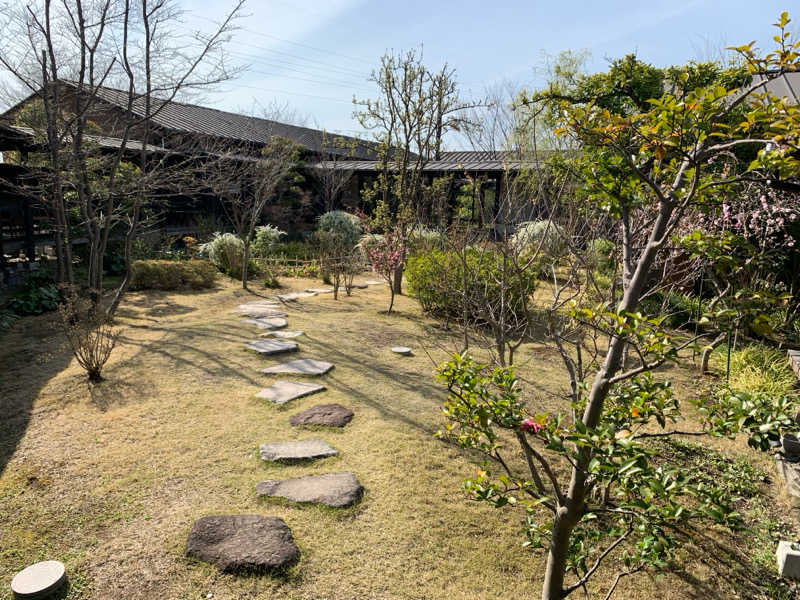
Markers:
437,280
345,226
172,274
531,234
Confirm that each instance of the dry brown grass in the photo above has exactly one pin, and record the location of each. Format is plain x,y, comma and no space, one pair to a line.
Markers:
110,478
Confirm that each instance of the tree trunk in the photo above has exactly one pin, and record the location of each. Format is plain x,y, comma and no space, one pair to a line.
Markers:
391,300
564,523
397,285
708,350
245,263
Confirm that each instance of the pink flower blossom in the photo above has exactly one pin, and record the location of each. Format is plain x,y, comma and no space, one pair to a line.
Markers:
530,425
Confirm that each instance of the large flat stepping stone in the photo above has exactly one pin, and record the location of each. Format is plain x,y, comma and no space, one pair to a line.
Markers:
271,346
309,449
294,296
283,334
262,313
242,543
330,415
320,290
402,350
282,392
268,322
337,490
374,282
302,366
39,580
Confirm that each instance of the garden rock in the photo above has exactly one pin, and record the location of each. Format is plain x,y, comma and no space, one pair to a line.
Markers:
262,313
337,490
329,415
282,392
269,322
788,555
374,282
271,346
404,350
320,290
303,366
39,580
242,542
310,449
283,334
294,296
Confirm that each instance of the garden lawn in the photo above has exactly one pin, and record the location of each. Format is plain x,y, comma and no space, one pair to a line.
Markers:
110,479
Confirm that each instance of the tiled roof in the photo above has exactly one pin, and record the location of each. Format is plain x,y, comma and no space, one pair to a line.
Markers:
190,118
432,166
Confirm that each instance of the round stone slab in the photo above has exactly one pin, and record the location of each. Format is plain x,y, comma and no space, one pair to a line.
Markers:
330,415
337,490
283,334
309,449
404,350
302,366
282,392
242,543
268,322
39,580
374,282
319,290
271,346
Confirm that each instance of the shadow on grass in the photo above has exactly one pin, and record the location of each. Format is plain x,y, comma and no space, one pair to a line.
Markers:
33,354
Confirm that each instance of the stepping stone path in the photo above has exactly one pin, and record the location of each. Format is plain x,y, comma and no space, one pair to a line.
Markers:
271,346
294,296
337,490
242,542
330,415
302,366
282,392
269,322
320,290
404,350
39,580
283,334
310,449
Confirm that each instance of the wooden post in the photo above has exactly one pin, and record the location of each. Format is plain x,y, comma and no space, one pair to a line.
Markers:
30,245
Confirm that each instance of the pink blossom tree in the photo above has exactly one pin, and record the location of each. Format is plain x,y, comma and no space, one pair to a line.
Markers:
386,255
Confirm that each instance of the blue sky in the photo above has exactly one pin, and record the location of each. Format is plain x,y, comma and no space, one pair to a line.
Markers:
316,55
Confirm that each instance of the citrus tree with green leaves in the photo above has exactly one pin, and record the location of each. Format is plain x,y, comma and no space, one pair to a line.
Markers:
593,488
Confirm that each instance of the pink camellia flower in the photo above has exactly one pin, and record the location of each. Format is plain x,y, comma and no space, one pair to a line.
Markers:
529,425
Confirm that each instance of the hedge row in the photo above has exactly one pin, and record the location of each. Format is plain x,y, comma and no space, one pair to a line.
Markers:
172,274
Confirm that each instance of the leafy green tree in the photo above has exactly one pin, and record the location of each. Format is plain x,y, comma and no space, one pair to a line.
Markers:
654,149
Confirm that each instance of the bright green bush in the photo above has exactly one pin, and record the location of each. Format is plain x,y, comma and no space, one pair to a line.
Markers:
172,274
757,369
679,310
38,295
437,279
